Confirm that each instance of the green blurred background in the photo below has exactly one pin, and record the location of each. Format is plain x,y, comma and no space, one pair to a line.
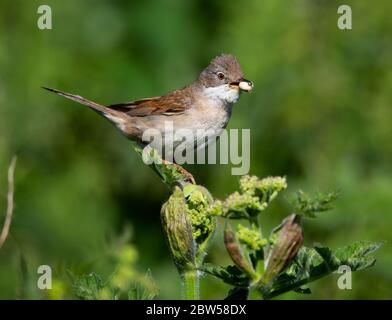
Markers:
320,114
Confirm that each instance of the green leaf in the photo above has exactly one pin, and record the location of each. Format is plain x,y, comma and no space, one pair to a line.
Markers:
303,290
237,293
88,286
314,263
309,206
140,292
328,256
358,255
230,275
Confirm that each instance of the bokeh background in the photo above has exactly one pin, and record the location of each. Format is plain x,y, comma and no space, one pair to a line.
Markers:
320,114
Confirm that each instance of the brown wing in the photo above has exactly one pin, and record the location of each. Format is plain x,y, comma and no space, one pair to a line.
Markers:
173,103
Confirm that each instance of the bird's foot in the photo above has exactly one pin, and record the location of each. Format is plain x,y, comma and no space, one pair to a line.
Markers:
188,177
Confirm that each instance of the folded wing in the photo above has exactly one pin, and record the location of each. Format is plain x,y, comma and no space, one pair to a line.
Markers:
173,103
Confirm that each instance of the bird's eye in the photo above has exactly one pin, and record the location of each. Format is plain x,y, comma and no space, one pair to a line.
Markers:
220,75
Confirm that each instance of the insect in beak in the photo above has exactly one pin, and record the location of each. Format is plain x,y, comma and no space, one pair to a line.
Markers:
243,84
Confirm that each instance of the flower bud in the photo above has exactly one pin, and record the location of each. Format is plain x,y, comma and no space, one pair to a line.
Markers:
289,239
198,200
178,229
234,250
250,238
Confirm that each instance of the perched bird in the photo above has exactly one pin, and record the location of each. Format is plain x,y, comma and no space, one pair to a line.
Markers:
203,106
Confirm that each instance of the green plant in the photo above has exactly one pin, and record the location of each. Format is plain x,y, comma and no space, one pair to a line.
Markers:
126,282
120,279
263,266
270,266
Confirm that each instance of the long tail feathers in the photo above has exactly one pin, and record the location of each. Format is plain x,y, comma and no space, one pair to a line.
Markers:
97,107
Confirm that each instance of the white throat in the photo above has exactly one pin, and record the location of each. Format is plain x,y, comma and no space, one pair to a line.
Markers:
222,92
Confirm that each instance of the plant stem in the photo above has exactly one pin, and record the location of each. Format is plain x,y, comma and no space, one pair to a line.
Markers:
190,280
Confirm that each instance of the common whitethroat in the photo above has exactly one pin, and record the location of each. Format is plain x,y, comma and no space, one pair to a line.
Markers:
203,106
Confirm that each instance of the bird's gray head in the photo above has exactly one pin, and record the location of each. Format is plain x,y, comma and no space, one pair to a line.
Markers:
223,79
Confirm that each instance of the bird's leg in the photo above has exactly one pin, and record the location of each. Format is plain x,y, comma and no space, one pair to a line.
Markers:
188,176
171,174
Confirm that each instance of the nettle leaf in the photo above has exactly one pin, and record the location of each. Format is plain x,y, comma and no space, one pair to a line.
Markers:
358,255
143,288
238,294
307,258
303,290
88,286
308,205
311,264
230,275
328,256
140,292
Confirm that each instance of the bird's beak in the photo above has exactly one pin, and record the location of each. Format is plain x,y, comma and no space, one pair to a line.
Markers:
243,84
